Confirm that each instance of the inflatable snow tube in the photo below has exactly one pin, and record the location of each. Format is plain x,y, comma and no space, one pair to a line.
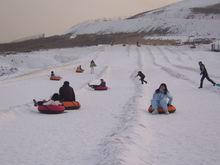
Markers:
56,78
79,71
100,88
171,109
51,109
71,105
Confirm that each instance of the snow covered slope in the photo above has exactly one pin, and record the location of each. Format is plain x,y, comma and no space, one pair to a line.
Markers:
199,18
112,127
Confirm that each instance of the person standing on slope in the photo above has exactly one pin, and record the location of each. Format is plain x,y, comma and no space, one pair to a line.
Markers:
204,74
92,66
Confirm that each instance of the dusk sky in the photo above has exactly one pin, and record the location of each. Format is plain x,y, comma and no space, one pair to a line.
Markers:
23,18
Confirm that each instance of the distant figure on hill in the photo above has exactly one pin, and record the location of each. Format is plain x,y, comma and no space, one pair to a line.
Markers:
52,74
142,76
66,92
92,65
204,74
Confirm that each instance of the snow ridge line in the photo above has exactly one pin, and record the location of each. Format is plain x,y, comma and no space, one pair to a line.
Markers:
115,143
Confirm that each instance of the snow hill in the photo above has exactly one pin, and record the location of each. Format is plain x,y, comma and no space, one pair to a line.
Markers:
199,18
112,127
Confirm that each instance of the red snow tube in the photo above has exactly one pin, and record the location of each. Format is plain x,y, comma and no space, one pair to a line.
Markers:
71,105
171,109
101,88
57,78
51,109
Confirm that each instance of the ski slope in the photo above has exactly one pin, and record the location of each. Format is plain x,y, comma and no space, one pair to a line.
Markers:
112,127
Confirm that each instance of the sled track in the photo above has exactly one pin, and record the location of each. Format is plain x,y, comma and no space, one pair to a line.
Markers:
178,75
185,67
170,71
114,144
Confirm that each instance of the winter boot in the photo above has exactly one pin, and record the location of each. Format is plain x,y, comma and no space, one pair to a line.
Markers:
35,102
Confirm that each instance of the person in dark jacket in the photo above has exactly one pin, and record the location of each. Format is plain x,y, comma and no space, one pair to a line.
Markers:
66,92
52,74
142,76
102,84
92,66
204,74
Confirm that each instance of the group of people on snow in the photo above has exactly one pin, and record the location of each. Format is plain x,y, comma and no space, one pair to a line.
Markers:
79,68
161,97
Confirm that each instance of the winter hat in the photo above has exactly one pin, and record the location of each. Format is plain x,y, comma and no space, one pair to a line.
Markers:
66,83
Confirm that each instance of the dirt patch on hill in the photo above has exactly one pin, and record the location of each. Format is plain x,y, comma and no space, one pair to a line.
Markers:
65,41
213,9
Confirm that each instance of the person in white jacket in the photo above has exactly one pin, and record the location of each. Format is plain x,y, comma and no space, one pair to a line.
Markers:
55,100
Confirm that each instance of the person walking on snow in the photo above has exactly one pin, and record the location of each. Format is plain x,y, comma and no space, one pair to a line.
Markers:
92,65
161,98
142,76
204,74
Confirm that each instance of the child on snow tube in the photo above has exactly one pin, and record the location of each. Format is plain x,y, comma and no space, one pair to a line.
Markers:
161,98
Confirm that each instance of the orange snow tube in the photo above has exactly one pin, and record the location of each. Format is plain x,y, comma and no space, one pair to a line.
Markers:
79,70
71,105
56,78
171,109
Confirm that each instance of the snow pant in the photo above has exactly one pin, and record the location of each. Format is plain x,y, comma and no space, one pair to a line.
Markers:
207,77
143,81
159,103
93,86
92,70
40,102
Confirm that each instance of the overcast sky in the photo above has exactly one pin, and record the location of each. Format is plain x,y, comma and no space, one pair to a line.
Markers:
22,18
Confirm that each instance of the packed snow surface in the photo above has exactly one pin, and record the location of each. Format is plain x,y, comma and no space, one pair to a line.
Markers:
112,127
